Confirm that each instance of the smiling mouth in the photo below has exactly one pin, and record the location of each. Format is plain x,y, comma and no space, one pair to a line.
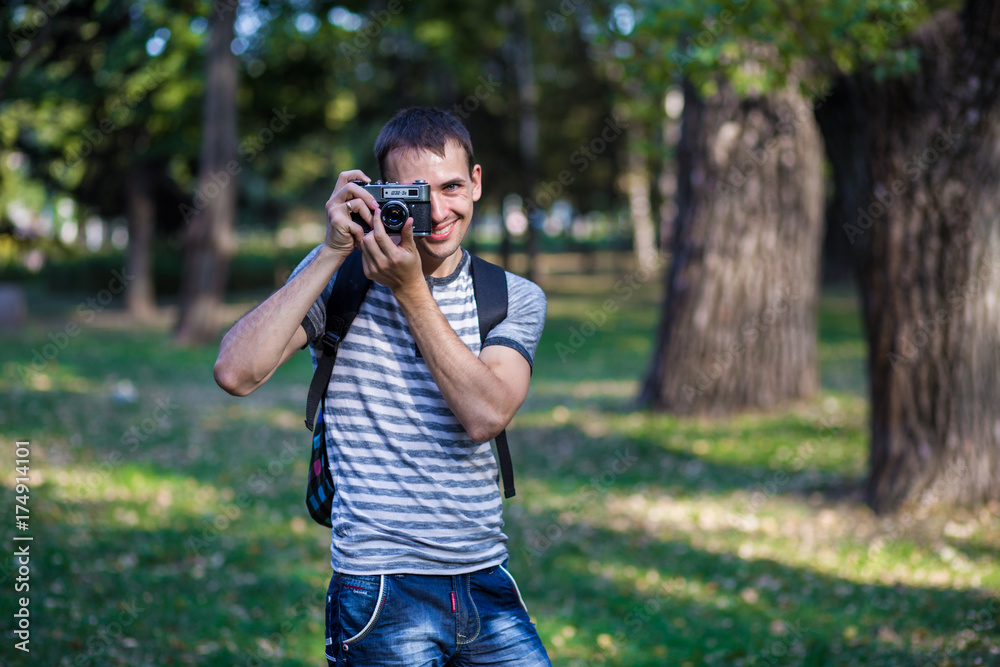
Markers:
441,232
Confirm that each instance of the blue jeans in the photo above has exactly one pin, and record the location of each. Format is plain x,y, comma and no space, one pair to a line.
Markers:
410,620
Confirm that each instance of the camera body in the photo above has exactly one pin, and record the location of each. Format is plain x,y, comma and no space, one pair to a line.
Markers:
399,201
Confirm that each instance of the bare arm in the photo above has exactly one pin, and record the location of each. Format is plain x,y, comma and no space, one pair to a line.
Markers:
268,336
271,333
483,392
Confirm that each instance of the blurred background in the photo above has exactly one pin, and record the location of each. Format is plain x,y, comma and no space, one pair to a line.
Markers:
764,424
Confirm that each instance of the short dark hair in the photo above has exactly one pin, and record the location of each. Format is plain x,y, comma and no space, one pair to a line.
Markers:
421,128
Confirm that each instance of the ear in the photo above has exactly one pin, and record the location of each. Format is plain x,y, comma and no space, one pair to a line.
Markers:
477,182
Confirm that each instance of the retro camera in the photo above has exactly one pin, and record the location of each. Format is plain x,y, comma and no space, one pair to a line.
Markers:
398,202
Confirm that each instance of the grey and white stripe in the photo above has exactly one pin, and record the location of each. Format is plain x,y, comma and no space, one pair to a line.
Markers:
414,493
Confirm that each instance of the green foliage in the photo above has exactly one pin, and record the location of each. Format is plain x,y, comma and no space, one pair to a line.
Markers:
637,539
335,75
758,44
89,101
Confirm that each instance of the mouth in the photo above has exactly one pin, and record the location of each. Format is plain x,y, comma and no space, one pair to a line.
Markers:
441,232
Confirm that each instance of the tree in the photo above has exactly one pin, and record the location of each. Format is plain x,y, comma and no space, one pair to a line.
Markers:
210,237
139,296
99,118
637,184
739,321
911,128
928,239
640,110
520,55
315,87
738,328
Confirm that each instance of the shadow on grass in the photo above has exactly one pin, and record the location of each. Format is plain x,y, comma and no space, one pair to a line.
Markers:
226,602
103,593
569,457
622,598
113,595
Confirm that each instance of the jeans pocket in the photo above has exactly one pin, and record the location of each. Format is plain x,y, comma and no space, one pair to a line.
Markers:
360,601
513,585
332,622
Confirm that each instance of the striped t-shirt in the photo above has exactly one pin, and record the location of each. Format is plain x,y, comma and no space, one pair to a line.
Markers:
414,494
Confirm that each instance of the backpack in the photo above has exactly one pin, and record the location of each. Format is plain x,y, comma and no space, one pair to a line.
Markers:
489,283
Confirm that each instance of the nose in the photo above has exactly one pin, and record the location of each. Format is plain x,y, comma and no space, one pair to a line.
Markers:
439,209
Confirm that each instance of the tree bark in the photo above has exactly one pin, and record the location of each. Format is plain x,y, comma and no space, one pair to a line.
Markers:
209,241
139,295
928,241
738,328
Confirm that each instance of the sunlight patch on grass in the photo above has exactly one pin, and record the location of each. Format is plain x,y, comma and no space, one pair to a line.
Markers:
843,542
586,389
130,495
54,377
638,539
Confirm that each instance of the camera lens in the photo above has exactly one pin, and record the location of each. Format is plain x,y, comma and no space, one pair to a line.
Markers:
394,215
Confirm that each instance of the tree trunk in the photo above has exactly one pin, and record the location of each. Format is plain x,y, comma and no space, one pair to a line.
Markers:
929,246
209,242
527,93
738,329
637,186
139,295
666,183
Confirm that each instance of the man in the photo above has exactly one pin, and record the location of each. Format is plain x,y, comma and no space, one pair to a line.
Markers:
418,551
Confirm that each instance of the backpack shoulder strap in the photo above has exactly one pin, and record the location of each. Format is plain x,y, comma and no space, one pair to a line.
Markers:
349,290
489,282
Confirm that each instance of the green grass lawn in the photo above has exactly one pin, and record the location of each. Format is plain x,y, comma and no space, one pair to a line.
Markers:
169,526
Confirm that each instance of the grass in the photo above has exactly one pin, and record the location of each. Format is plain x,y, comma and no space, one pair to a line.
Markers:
169,526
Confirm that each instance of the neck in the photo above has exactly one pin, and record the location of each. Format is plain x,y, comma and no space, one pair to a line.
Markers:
441,268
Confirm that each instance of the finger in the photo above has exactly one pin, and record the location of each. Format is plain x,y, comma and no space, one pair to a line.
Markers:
372,253
406,235
354,191
385,242
353,206
348,176
362,199
366,263
376,221
357,233
340,221
345,189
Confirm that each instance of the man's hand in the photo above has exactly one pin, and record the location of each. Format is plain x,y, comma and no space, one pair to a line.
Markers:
392,261
342,233
271,333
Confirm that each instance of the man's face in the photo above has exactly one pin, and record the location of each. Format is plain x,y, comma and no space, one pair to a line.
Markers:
453,191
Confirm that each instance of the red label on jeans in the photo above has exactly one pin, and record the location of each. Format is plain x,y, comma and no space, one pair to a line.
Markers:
454,608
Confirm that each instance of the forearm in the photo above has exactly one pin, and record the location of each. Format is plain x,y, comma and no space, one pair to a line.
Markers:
260,341
483,403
